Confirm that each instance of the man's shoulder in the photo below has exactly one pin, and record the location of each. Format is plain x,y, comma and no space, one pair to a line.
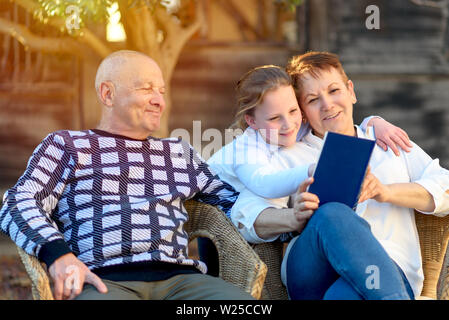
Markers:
71,134
64,138
171,141
172,145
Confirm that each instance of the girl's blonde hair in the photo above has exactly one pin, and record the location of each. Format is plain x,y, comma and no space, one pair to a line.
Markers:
252,87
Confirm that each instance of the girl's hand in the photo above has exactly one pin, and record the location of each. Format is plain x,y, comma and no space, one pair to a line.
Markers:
305,203
388,135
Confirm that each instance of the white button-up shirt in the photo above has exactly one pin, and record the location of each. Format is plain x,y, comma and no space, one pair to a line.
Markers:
393,226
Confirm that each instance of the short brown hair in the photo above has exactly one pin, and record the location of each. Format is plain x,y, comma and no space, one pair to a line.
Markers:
312,63
252,87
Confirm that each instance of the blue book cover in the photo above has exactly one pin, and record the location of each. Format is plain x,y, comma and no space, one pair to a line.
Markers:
341,169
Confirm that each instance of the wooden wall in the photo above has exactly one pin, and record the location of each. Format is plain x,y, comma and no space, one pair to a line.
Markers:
39,93
205,78
400,71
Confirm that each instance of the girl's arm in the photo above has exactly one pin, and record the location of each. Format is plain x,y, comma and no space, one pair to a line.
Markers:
258,166
387,134
270,182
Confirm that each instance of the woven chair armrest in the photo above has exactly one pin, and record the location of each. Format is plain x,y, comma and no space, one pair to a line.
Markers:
238,262
40,283
443,282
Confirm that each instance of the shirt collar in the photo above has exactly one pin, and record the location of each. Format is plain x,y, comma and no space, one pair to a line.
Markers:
313,140
367,134
317,142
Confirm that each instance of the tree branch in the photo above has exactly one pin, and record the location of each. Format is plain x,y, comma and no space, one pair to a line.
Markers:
84,35
176,35
140,28
43,44
234,12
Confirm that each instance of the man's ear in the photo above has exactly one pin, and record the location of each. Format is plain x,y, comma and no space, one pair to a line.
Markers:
107,93
250,121
351,91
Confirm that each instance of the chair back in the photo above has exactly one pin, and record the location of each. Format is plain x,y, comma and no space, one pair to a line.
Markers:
433,237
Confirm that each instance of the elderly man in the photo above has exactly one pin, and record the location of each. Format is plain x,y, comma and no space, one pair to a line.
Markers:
107,204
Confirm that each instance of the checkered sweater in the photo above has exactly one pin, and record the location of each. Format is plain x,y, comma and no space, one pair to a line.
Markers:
109,199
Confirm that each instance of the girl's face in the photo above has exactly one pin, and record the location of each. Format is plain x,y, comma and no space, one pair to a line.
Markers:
277,117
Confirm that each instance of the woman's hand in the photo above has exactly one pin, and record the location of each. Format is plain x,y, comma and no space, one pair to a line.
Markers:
388,135
305,203
372,188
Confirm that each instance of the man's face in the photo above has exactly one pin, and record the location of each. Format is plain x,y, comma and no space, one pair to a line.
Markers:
327,103
139,97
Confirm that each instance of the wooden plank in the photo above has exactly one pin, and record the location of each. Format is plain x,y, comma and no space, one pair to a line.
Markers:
411,38
203,83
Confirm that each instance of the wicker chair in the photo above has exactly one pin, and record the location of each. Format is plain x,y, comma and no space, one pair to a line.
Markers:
238,263
433,235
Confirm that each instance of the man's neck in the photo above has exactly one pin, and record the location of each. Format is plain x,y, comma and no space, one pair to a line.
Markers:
124,132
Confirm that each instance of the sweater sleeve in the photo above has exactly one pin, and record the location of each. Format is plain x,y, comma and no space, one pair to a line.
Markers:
211,189
26,214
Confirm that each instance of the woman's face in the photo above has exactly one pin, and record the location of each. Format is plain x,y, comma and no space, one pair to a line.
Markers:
277,117
327,103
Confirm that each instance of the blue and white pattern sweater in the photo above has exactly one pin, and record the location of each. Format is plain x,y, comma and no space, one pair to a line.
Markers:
109,199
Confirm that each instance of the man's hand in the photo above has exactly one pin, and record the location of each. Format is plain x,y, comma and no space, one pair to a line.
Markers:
305,203
372,188
69,274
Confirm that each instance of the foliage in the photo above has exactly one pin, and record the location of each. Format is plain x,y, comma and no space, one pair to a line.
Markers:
88,10
291,4
97,10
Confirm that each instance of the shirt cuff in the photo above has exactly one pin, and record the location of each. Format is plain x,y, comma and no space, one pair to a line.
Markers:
251,236
246,223
53,250
440,197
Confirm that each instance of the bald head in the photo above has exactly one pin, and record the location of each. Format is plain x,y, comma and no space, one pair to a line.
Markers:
130,88
119,67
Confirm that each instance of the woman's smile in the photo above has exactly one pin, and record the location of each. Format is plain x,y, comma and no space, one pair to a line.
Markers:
333,116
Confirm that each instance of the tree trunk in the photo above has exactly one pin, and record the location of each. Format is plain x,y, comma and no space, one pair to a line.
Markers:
143,28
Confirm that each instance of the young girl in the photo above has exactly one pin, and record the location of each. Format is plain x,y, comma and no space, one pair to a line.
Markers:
266,160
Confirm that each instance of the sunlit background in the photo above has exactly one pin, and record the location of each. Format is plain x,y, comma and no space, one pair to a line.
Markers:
400,70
